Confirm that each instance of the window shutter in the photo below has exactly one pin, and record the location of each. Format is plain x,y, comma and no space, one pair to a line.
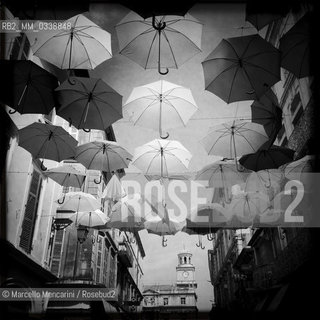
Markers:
30,213
57,251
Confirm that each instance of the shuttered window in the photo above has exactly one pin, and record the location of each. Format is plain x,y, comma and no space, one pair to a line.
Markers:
57,251
30,213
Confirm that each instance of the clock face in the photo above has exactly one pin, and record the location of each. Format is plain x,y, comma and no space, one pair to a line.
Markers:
185,274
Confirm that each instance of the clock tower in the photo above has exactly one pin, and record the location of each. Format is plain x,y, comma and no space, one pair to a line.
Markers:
185,271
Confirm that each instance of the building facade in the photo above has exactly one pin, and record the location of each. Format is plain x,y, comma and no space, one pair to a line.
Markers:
175,301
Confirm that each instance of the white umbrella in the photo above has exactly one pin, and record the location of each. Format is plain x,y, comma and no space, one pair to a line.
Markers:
162,157
78,201
113,190
90,219
103,155
160,105
297,169
80,45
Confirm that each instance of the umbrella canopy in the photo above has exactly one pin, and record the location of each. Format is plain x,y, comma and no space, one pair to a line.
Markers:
26,87
113,190
272,158
234,138
103,155
67,175
266,111
241,68
166,7
221,174
78,202
130,212
245,207
160,105
267,181
47,141
206,218
81,45
90,219
295,48
162,157
88,103
163,41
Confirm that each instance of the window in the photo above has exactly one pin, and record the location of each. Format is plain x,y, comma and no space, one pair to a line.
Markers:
183,300
57,251
296,102
30,214
165,301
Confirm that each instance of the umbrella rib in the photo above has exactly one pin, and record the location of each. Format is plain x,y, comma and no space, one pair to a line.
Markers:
107,103
85,49
150,105
149,51
262,68
233,80
224,133
179,115
171,50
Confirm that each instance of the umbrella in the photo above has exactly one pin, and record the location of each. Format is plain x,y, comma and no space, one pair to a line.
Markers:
114,190
267,181
234,138
162,157
90,219
67,175
266,111
163,41
262,159
295,48
130,212
149,9
241,68
80,45
78,202
246,206
88,103
26,87
206,219
103,155
221,174
160,104
47,141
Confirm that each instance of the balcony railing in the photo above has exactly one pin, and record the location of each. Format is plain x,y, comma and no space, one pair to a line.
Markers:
125,255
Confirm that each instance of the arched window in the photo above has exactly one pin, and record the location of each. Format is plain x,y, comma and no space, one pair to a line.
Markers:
185,259
190,260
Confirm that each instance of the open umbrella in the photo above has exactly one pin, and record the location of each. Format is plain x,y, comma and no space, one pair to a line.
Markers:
235,138
78,202
162,157
113,190
161,41
80,45
266,111
47,141
91,219
241,68
26,87
295,48
160,105
67,175
247,206
271,158
103,155
88,103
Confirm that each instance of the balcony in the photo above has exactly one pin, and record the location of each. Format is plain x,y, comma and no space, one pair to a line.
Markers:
125,255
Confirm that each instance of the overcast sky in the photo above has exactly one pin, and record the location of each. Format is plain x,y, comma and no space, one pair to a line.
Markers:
219,21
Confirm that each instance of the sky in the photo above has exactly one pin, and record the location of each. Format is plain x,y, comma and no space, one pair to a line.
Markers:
219,21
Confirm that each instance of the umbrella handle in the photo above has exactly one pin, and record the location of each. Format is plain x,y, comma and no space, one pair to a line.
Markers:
163,73
165,137
86,130
43,168
159,27
209,237
164,242
12,111
64,196
71,81
200,245
98,181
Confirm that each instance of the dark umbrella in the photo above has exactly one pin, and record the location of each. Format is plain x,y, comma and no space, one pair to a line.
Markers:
272,158
88,103
266,111
26,87
295,48
241,68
